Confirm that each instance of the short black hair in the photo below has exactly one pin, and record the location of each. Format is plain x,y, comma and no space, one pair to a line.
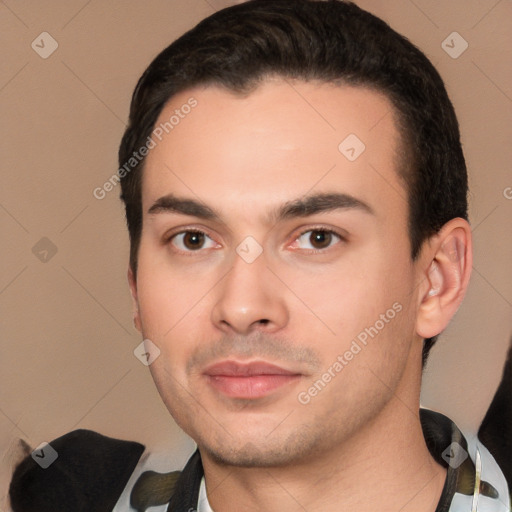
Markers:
330,41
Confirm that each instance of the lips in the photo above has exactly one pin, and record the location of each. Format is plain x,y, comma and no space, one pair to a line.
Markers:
248,380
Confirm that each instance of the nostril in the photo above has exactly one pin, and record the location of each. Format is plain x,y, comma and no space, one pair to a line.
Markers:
263,321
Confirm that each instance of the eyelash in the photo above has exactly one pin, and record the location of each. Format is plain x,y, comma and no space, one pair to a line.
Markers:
342,238
169,238
322,229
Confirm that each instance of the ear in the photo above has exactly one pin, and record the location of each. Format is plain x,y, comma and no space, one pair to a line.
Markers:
132,281
446,264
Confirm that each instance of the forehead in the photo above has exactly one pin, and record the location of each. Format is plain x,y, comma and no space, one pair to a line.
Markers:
281,141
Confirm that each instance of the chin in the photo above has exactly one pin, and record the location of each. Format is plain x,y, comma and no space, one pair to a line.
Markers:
262,451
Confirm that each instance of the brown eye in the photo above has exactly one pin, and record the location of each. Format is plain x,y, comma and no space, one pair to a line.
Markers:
320,239
189,241
193,240
317,239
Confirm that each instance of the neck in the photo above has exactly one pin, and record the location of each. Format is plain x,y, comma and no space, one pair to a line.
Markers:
385,466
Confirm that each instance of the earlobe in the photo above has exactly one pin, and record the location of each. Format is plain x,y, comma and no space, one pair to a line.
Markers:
132,281
448,268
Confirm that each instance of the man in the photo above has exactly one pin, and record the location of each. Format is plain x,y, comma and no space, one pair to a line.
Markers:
295,193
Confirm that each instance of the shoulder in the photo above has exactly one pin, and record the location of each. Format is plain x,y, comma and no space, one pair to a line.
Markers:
81,470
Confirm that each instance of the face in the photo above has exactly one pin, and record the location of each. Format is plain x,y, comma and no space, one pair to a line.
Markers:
274,269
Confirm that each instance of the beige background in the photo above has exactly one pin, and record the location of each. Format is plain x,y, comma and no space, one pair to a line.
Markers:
67,338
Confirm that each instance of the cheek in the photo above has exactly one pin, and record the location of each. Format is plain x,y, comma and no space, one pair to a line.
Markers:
358,309
352,292
175,311
167,296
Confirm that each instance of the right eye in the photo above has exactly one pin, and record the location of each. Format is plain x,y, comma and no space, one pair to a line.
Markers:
192,241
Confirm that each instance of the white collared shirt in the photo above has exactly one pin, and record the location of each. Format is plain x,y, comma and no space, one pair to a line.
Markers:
202,503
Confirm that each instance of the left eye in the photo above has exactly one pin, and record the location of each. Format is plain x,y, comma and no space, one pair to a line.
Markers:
192,241
317,239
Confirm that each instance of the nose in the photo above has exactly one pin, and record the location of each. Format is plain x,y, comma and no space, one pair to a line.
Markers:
250,298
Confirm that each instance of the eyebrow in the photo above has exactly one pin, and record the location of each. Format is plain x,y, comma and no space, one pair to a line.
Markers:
301,207
173,204
319,203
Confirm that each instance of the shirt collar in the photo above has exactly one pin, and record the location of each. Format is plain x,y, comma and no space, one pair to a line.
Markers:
474,482
203,504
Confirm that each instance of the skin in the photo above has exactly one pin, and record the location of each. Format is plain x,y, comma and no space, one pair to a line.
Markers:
300,304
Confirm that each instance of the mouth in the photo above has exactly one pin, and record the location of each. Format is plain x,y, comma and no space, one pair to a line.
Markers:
248,380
